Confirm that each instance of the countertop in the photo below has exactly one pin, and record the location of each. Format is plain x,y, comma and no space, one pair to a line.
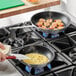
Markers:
28,7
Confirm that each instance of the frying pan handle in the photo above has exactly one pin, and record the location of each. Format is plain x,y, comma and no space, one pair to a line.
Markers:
29,23
11,57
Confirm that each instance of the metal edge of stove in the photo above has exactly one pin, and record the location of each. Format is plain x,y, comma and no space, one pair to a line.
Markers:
71,69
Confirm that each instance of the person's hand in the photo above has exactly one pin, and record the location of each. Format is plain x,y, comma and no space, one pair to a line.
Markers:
2,46
2,57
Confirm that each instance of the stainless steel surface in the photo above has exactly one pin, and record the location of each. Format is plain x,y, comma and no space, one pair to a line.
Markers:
7,69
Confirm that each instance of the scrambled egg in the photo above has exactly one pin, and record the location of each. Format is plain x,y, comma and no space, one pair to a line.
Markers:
36,58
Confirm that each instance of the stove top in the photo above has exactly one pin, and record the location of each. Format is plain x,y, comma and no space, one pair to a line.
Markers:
63,47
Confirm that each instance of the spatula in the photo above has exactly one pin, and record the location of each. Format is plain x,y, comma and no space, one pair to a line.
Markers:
17,56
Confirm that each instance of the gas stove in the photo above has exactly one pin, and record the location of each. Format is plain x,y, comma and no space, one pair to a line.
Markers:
64,61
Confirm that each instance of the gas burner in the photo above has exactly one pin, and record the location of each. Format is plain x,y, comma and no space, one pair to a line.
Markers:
50,35
37,70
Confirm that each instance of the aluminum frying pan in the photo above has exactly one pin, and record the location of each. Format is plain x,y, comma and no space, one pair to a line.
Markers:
41,50
54,15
